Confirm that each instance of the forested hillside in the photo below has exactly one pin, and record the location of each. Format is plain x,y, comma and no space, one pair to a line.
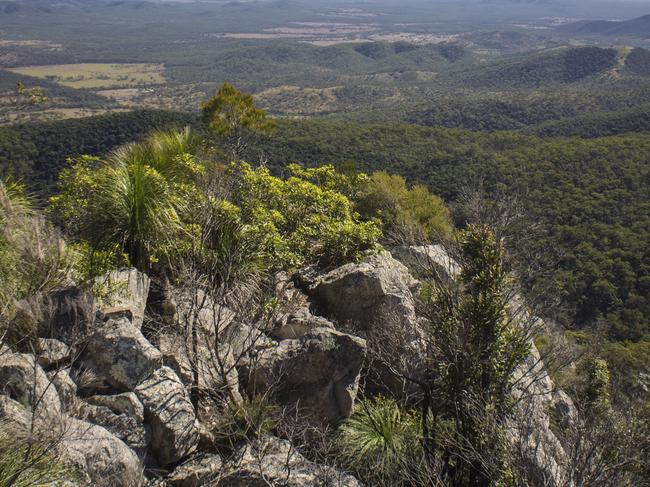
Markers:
591,195
300,243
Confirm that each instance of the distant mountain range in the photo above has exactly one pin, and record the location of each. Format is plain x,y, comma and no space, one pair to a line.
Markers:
639,27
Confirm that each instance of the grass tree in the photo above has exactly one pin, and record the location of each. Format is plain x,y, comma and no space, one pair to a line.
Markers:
132,202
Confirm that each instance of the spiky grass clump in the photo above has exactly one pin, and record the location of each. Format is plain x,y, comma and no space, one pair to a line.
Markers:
379,440
33,256
245,421
25,462
135,199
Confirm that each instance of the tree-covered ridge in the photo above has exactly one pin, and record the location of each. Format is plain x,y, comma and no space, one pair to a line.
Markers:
544,68
591,195
247,264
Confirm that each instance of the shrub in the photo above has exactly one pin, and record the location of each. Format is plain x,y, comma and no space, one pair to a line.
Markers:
243,422
409,215
33,257
134,200
297,221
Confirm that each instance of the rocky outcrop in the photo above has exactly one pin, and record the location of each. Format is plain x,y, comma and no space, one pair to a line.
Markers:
375,298
51,352
244,341
127,291
98,457
197,472
271,461
426,260
297,324
215,367
120,355
369,294
125,427
23,380
169,412
317,373
14,414
125,403
531,433
65,386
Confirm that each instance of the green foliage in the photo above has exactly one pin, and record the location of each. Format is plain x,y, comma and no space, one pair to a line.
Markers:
595,395
135,199
233,115
297,221
380,441
478,347
408,215
25,462
37,152
596,223
245,421
33,257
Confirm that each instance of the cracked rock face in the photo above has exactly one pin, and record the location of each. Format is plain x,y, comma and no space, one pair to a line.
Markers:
271,461
169,412
23,380
317,373
120,355
364,295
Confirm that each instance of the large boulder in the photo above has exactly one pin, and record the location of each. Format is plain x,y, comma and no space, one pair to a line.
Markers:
14,414
127,428
271,461
98,457
126,291
297,324
23,380
125,403
197,472
369,294
169,412
375,299
426,260
65,386
317,373
120,355
51,352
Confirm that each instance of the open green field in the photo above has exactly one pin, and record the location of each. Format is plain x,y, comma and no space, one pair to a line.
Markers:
96,75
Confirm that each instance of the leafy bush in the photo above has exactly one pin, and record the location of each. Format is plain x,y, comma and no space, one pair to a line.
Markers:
135,199
409,215
297,221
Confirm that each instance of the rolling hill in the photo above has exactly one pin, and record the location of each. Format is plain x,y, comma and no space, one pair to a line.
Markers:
639,27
